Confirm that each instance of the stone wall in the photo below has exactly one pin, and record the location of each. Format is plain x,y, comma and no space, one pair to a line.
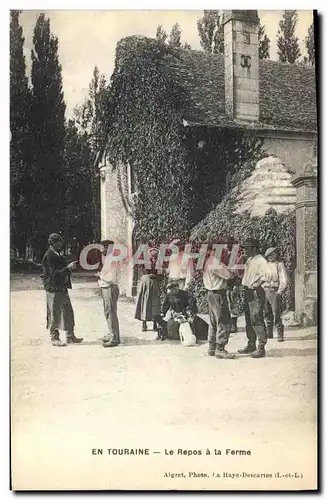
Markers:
294,151
241,55
116,222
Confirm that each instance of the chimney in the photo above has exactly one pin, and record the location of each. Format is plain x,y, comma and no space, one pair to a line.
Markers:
241,47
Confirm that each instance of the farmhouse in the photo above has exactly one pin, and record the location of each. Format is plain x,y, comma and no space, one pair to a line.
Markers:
232,95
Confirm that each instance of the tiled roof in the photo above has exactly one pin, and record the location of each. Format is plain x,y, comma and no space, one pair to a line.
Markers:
287,92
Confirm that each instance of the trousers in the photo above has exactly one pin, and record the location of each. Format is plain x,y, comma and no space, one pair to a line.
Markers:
254,307
60,313
110,298
273,311
220,320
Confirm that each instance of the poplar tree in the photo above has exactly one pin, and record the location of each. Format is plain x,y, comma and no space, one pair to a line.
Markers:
287,42
48,108
264,43
310,45
211,32
21,159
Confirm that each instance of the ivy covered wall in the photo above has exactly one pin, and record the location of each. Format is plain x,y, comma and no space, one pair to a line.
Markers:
182,172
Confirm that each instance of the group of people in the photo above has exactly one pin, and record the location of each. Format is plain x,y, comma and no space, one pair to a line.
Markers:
260,285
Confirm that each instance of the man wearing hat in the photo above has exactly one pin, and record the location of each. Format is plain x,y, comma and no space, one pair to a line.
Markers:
274,286
56,282
254,303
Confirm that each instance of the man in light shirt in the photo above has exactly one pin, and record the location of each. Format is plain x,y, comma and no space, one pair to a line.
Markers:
274,285
215,280
253,278
108,282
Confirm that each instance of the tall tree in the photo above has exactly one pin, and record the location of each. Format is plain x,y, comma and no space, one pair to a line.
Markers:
174,39
287,42
310,45
78,175
48,109
91,117
161,34
211,32
21,158
264,43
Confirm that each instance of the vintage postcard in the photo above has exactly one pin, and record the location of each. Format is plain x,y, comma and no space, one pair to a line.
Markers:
163,169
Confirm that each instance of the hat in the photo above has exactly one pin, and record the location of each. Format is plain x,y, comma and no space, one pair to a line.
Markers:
106,243
250,242
54,237
172,284
153,252
269,251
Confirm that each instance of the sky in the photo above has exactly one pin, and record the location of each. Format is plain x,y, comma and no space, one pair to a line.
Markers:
88,38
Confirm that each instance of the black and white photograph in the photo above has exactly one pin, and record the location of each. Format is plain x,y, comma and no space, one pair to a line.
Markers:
163,250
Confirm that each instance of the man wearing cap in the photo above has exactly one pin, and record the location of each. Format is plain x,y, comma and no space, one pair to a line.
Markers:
56,282
108,283
254,304
274,286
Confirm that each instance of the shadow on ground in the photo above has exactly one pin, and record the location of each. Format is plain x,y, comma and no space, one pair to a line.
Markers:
285,352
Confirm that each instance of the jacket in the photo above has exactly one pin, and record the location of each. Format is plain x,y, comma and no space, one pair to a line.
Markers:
56,275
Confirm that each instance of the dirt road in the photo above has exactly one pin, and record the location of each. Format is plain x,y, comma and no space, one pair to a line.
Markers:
154,395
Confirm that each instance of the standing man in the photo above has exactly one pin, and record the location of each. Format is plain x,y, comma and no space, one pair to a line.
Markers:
234,285
253,278
274,286
108,282
215,280
56,282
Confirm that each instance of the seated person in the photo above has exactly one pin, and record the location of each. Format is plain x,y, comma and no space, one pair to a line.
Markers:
181,301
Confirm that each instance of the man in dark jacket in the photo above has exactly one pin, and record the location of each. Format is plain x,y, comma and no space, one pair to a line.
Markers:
56,281
181,301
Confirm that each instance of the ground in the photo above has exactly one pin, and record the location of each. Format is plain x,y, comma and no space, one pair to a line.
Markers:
145,393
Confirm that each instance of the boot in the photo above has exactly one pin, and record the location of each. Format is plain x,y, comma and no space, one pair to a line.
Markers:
155,326
249,349
270,332
280,334
234,328
211,349
223,354
71,339
259,353
55,340
144,327
110,343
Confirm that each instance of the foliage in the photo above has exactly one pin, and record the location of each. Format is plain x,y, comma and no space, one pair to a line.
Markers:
287,42
174,39
272,229
161,34
78,175
211,32
178,181
91,119
48,122
21,148
310,45
264,43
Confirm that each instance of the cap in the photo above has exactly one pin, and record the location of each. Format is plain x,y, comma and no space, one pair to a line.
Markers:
269,251
172,284
250,242
54,237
